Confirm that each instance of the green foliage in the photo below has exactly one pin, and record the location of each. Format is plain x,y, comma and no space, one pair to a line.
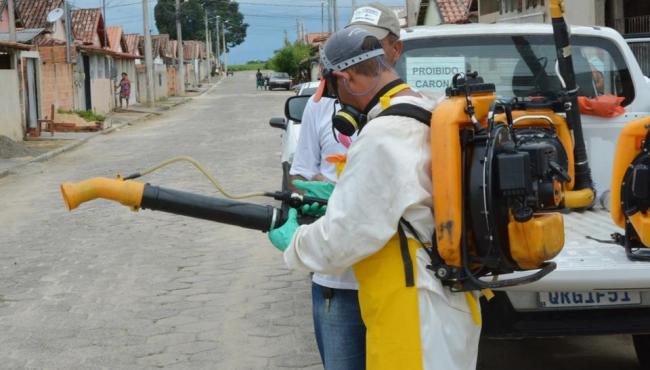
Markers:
288,58
228,11
247,67
87,115
193,19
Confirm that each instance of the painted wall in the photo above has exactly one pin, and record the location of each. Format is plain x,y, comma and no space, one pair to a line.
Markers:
4,20
11,117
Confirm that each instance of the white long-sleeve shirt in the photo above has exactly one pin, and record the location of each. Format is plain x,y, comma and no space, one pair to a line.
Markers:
387,176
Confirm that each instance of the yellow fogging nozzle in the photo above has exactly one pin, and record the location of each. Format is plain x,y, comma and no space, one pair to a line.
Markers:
128,193
556,8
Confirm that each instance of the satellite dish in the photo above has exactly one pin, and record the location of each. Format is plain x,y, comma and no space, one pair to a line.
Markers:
55,15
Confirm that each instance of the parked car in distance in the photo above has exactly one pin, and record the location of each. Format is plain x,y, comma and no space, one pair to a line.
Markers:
280,79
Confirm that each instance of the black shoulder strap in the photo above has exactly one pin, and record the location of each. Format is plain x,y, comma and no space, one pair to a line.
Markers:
408,110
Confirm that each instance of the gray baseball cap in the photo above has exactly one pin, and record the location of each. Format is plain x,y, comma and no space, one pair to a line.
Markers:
376,18
348,47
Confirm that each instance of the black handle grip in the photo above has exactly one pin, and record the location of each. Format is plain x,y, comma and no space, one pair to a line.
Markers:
246,215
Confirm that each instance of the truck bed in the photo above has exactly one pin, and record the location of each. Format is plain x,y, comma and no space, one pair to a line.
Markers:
586,264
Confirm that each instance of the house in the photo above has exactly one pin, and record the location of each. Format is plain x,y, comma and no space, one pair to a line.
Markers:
434,12
584,12
190,56
21,75
160,75
630,18
19,106
94,87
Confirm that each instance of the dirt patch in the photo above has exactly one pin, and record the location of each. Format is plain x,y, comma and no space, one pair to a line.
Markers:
12,149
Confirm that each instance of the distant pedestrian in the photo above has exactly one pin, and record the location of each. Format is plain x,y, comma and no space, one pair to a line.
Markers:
260,80
125,89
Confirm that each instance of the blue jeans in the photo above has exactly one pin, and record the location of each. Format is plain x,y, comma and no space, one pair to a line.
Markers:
340,332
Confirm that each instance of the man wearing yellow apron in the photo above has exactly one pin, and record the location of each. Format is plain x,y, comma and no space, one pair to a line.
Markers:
412,321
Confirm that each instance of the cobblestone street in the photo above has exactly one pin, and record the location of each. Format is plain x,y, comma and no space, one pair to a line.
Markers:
107,287
104,287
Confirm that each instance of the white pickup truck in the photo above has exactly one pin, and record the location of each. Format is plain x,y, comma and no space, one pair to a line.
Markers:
595,288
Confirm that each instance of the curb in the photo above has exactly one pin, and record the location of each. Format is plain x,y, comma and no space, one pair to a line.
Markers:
51,154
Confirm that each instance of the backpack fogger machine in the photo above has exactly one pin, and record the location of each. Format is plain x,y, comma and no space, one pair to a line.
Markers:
501,171
630,197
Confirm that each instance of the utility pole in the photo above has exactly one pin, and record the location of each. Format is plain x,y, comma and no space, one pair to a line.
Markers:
225,47
148,58
304,34
207,45
329,16
297,29
354,5
412,10
322,16
12,20
68,32
218,53
181,49
105,22
335,10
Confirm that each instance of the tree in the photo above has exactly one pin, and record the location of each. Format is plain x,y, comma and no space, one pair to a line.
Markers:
289,58
229,12
193,18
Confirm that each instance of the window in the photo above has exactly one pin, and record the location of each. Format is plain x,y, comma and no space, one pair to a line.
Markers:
519,65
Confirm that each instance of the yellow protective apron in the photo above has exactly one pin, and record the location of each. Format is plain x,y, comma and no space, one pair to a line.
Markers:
390,309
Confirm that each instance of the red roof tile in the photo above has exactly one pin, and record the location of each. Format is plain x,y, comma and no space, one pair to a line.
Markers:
86,23
132,40
454,11
115,38
33,13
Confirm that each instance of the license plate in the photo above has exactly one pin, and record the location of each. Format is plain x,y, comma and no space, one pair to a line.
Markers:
589,299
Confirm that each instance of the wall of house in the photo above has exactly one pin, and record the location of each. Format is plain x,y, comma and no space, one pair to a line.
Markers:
171,81
11,117
4,20
583,13
57,86
101,86
160,81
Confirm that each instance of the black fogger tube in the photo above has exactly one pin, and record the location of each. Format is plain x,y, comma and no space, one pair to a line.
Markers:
242,214
583,178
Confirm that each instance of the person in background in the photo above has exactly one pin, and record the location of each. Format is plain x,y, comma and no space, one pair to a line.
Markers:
125,89
259,79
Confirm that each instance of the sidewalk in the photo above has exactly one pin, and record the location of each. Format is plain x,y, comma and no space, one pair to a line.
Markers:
46,146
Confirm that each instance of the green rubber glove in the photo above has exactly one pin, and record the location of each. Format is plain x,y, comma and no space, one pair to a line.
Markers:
281,236
315,189
314,209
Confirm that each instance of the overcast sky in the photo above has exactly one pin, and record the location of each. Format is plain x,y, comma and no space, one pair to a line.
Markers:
267,19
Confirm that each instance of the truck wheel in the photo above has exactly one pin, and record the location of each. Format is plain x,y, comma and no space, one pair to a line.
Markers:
642,348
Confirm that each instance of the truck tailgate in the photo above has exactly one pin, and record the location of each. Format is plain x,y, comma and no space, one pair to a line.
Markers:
585,264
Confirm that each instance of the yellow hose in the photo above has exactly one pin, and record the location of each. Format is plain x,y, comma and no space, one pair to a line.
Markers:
126,192
196,164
